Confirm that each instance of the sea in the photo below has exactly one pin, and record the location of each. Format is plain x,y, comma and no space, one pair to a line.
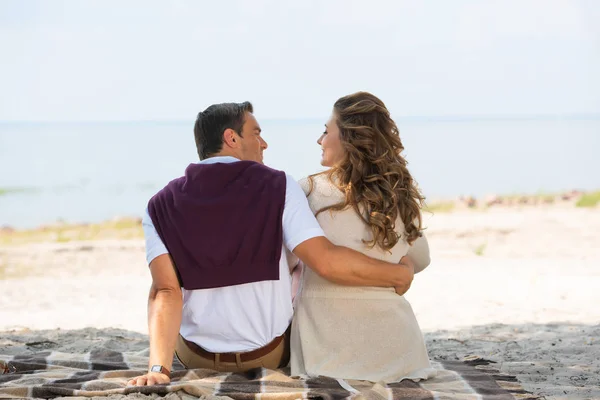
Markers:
92,171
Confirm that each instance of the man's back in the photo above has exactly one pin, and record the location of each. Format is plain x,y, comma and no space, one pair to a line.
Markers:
243,317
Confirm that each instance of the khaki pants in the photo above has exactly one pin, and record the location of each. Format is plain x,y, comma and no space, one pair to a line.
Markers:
277,358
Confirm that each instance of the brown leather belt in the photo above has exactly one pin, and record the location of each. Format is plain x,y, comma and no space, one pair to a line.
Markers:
231,357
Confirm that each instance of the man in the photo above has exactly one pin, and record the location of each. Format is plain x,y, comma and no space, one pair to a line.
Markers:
216,243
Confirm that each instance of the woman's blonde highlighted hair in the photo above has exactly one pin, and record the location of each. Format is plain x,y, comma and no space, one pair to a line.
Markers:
373,174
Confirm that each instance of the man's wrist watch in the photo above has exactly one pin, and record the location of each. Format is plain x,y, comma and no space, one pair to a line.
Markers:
160,369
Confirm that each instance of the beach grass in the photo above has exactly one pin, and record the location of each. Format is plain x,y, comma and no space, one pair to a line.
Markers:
480,249
546,198
591,199
122,228
441,206
13,190
537,198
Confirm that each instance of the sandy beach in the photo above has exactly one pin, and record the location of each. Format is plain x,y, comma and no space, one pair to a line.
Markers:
516,285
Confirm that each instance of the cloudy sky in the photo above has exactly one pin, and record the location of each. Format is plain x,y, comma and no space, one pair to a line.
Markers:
167,60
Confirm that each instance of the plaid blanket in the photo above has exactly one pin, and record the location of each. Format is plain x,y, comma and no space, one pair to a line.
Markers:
104,372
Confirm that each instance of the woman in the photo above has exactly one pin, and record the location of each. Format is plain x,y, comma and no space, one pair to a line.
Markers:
367,201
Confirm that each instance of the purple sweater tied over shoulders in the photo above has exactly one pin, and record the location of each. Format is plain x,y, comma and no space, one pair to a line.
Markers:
222,223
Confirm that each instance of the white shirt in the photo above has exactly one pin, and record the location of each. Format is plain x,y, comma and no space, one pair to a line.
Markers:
244,317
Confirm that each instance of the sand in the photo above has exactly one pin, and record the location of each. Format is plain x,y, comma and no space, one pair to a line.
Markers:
519,286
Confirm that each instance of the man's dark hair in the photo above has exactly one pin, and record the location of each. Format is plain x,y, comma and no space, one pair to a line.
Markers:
212,122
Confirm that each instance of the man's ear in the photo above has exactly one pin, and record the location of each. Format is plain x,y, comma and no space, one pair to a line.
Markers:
230,138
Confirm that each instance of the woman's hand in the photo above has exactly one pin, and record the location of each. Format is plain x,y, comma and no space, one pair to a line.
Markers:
408,264
149,379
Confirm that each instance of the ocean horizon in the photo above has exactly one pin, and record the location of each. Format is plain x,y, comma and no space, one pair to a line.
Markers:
88,171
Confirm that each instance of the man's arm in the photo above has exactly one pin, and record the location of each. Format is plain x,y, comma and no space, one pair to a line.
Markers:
165,305
349,267
302,234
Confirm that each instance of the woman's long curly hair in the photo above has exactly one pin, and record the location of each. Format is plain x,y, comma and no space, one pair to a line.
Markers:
373,174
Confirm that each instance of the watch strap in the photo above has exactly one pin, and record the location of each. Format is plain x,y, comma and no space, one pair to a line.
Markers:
161,369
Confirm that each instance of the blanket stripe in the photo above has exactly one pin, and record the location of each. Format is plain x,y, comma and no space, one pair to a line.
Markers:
481,384
410,390
103,372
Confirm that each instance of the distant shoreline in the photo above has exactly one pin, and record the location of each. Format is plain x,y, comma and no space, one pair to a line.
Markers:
129,227
572,198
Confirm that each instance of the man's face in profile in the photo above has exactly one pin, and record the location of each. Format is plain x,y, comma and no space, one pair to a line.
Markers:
252,144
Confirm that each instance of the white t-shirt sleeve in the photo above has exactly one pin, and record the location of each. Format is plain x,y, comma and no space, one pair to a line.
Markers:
154,245
299,223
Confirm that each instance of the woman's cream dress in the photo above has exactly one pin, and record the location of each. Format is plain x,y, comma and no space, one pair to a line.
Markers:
365,333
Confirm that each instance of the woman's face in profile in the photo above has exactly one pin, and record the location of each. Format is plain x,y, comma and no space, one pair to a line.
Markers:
331,145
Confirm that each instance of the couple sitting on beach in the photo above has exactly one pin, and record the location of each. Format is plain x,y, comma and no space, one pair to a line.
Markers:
230,242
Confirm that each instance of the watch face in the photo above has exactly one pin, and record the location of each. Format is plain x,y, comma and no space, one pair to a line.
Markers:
156,368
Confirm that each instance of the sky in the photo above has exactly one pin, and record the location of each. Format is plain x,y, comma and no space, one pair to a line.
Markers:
167,60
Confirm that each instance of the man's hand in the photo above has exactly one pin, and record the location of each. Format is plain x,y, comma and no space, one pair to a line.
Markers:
407,263
149,379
